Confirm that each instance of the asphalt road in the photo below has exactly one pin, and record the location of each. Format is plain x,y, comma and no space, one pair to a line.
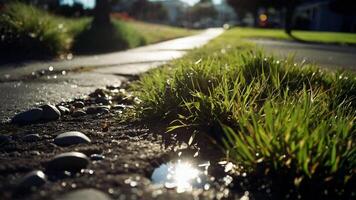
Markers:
19,90
329,56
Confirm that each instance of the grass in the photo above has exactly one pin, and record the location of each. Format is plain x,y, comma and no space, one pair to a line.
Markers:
101,39
306,36
28,32
280,120
154,33
31,32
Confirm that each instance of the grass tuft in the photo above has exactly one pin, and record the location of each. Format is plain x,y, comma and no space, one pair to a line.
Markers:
26,30
273,117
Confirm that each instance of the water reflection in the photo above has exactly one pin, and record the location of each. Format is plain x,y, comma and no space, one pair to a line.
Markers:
182,175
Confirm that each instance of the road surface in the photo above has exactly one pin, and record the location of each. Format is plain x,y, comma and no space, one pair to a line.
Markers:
20,90
330,56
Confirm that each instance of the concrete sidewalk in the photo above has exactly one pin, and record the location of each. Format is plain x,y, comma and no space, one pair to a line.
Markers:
100,70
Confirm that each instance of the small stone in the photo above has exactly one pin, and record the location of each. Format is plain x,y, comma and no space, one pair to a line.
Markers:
50,112
78,113
63,110
91,110
70,161
14,154
31,180
113,87
35,153
103,100
4,139
119,107
31,138
97,157
28,117
87,194
78,104
105,111
71,138
100,93
97,109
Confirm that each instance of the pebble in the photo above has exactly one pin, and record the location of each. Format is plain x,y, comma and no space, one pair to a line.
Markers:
105,111
70,161
31,138
31,180
113,87
97,109
35,153
103,100
78,104
91,110
28,117
4,139
78,113
50,112
119,107
71,138
86,194
63,110
100,93
97,157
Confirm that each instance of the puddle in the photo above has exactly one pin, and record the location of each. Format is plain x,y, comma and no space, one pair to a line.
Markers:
182,175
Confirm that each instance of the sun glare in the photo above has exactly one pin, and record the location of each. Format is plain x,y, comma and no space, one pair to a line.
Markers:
184,175
181,175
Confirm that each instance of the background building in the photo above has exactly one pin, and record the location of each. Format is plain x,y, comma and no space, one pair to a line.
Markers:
318,15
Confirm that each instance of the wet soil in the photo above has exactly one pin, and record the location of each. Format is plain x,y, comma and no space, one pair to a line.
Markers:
132,151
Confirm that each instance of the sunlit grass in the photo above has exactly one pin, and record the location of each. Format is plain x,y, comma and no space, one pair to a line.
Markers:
29,32
155,33
307,36
273,117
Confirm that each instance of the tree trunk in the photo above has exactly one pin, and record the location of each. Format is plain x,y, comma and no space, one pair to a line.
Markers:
256,17
102,13
289,18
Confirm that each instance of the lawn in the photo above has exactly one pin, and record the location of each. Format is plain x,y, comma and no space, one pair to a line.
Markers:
307,36
28,32
155,33
287,125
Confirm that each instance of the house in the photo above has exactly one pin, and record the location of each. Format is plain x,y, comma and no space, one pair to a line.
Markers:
317,15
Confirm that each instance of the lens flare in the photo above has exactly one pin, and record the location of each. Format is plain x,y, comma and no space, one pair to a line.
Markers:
181,175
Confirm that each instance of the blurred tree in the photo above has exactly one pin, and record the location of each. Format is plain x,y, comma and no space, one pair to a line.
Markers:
77,9
203,10
290,8
148,11
206,1
243,6
102,13
138,8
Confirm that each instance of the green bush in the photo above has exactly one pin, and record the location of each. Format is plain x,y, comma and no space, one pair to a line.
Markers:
98,38
28,32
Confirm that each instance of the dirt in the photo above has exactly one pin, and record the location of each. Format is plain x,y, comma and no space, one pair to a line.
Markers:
132,151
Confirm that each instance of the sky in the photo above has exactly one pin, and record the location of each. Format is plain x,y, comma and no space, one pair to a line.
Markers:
86,3
91,3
